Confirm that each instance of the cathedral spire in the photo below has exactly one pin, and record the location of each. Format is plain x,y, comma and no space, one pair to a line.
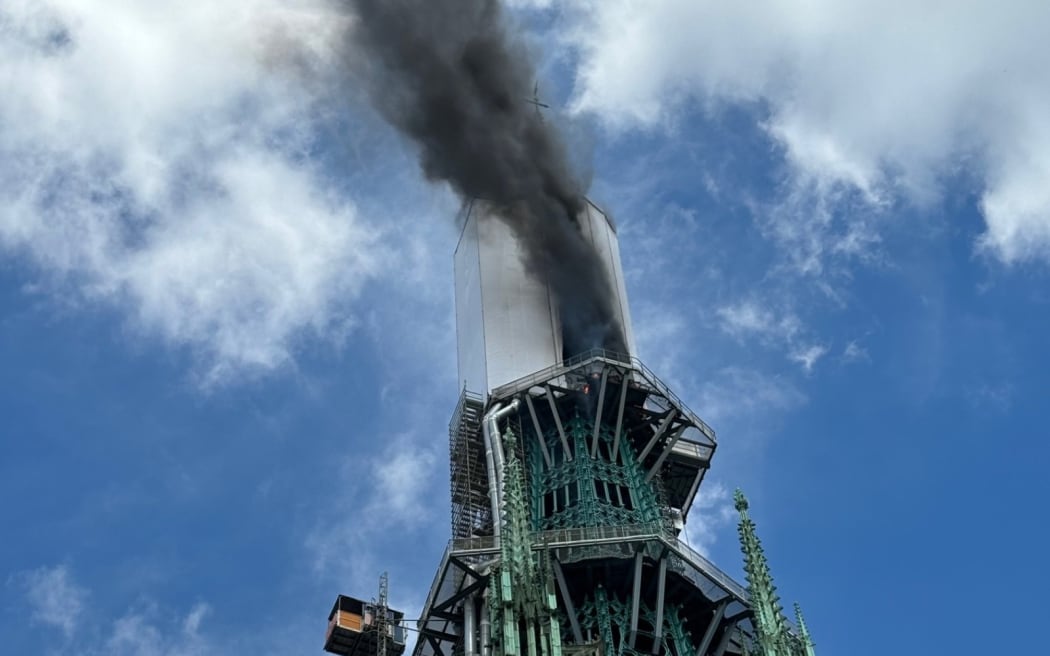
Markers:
770,625
805,641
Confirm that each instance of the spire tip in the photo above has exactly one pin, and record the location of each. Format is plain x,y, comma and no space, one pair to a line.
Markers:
740,501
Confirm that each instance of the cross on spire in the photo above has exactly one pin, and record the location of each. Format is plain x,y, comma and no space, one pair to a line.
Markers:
535,100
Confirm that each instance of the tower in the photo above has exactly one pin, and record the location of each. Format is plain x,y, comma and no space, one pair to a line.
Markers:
572,476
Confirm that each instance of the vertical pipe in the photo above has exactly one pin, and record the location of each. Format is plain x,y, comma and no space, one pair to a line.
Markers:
490,463
486,631
660,588
494,458
635,598
469,643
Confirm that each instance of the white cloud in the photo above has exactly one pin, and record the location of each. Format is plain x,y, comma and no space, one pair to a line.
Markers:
813,235
711,513
854,352
142,633
394,490
750,318
403,476
807,356
54,598
881,98
147,628
155,157
992,396
734,395
192,624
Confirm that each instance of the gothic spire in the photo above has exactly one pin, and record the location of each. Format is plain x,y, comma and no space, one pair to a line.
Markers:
516,544
770,625
805,640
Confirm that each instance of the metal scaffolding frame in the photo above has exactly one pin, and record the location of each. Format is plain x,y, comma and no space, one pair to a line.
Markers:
463,571
605,462
674,447
471,512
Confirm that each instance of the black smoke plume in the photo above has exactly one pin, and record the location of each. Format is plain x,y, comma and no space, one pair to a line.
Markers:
448,74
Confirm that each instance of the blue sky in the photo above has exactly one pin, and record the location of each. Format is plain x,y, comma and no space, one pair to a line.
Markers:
226,335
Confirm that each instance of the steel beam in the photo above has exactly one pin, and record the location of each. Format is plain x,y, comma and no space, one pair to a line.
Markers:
709,634
666,452
570,610
692,492
733,619
539,431
671,414
557,422
462,594
661,582
466,568
619,416
434,644
440,635
636,593
726,637
598,414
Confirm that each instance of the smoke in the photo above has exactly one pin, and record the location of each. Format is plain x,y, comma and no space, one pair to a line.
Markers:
448,75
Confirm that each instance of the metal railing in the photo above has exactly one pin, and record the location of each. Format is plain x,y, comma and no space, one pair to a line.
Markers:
593,535
476,544
708,568
608,357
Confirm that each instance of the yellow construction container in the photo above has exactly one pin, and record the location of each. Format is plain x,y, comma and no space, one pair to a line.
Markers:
352,630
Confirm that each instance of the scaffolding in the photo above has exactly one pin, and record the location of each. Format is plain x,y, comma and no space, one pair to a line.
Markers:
471,511
602,465
608,407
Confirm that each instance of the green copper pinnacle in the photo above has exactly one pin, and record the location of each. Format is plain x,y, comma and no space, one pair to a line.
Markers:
522,598
803,633
772,636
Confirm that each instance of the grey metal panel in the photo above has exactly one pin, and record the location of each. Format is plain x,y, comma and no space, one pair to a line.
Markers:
470,335
602,234
520,335
506,321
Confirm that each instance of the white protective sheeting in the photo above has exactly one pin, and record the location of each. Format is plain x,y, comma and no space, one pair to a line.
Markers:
507,322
